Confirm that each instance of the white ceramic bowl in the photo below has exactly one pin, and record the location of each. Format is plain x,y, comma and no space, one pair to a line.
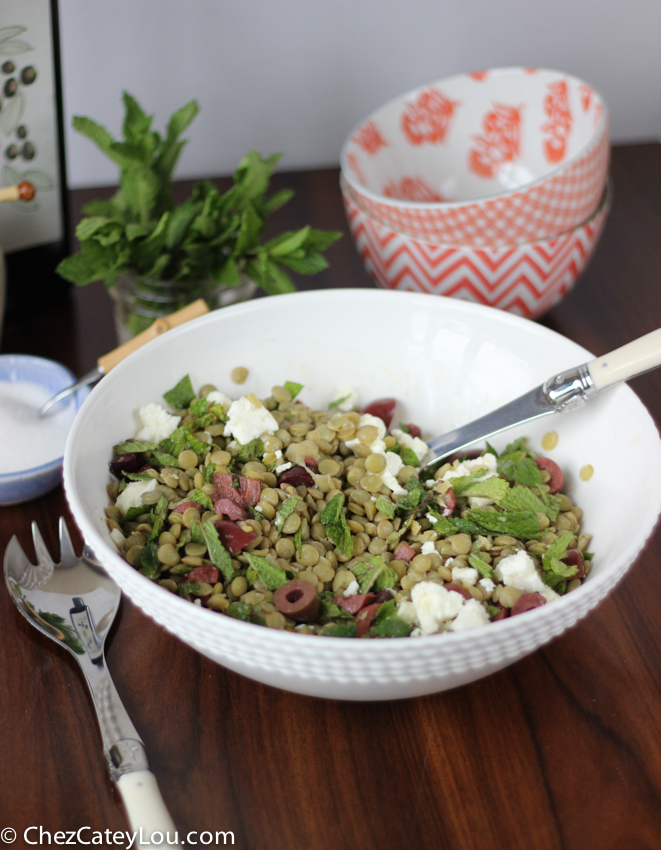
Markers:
527,279
497,157
447,362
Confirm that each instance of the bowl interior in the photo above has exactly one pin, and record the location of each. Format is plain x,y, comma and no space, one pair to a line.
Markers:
446,362
473,136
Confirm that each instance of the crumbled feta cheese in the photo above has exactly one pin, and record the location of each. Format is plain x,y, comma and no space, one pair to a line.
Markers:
479,501
429,483
282,468
465,574
471,616
428,548
214,397
351,589
487,585
389,475
259,508
350,396
406,611
487,462
417,446
434,605
278,454
131,497
378,446
519,570
247,422
157,423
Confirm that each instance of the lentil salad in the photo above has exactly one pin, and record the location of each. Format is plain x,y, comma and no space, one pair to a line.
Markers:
316,521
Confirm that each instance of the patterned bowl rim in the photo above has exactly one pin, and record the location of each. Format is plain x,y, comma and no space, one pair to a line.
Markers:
603,207
600,135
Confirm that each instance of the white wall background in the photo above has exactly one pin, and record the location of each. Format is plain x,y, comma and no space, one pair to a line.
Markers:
296,75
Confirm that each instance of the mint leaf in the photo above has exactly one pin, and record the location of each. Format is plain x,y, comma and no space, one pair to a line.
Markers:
490,488
150,566
181,395
385,507
523,499
294,388
519,468
201,498
253,449
408,456
367,572
286,510
520,524
240,611
298,542
481,566
208,473
342,630
133,513
137,476
416,494
330,610
199,407
175,443
218,554
391,627
134,446
165,459
490,450
553,567
197,535
338,401
337,530
196,445
272,576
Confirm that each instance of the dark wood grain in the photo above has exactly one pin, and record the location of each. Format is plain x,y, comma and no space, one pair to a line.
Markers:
561,750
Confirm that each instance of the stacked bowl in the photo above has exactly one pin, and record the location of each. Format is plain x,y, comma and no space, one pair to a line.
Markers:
489,186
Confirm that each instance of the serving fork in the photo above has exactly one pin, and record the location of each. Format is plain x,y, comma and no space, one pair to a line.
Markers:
74,603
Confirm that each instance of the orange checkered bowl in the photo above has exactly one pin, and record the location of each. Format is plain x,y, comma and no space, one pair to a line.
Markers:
526,279
499,157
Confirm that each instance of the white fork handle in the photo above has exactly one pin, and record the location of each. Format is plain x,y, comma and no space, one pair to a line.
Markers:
632,359
145,809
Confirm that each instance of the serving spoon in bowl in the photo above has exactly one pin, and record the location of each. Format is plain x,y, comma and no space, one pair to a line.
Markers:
565,391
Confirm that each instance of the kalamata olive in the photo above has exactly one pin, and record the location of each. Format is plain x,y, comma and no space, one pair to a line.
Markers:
311,464
526,603
228,508
414,431
232,536
180,509
405,552
247,492
450,501
459,588
365,619
353,604
28,75
502,613
574,558
557,478
297,599
383,408
130,462
295,476
210,575
11,87
384,596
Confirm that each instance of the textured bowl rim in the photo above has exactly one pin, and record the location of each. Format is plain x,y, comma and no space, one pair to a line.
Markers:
605,204
592,591
442,206
8,477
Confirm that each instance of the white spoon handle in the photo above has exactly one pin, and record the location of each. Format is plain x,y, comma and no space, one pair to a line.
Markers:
145,809
632,359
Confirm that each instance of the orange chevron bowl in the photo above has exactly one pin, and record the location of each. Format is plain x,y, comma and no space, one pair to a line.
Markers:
498,157
525,279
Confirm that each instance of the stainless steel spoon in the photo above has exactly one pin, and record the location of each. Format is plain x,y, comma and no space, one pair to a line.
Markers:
74,603
559,394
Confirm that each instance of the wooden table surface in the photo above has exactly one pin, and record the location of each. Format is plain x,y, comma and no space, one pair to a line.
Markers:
561,750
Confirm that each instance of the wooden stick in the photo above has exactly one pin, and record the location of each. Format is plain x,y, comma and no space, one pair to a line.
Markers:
160,326
22,192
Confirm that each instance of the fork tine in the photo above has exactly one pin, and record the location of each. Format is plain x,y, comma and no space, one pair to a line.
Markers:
43,555
16,561
67,554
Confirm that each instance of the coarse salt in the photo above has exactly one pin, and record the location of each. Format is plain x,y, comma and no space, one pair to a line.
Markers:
26,439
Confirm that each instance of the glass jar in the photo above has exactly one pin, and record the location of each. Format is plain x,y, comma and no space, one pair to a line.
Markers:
138,301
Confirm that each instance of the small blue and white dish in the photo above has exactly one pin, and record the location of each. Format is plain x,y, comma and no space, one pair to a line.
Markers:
27,484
